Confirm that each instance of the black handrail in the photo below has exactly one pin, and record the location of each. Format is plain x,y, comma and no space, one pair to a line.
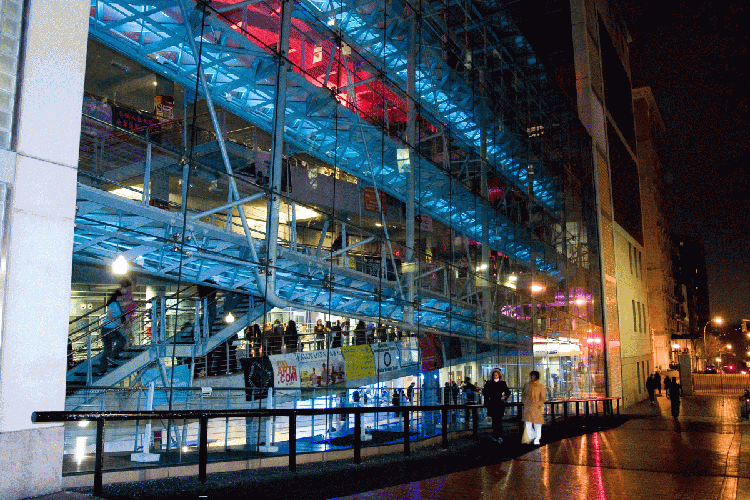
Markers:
100,417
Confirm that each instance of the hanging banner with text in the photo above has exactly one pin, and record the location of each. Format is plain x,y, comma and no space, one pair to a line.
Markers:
360,362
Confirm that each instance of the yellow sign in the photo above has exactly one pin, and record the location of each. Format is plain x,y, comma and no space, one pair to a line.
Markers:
360,362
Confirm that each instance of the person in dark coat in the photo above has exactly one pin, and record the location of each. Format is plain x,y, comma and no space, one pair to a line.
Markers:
651,388
291,336
360,333
495,393
674,392
336,334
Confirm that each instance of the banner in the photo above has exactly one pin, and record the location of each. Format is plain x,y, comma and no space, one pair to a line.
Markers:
452,347
430,347
360,362
321,368
371,201
285,371
387,356
258,373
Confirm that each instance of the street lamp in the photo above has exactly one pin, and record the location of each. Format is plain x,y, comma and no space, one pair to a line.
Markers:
718,320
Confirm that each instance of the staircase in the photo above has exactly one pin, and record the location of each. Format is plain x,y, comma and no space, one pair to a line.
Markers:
135,358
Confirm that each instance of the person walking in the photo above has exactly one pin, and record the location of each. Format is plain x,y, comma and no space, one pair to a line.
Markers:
657,377
110,335
495,393
674,392
410,393
651,388
533,396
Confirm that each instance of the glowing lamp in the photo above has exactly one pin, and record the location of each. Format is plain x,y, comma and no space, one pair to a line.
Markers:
120,265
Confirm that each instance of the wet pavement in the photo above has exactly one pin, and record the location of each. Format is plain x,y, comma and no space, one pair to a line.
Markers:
704,454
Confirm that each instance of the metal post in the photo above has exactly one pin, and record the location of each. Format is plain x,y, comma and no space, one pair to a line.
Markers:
552,412
358,437
293,442
203,449
99,457
444,422
411,139
89,379
475,417
146,196
407,449
277,142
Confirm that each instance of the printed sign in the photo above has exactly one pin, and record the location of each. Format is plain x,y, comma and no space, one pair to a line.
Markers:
258,373
285,370
321,368
360,362
387,356
371,201
432,353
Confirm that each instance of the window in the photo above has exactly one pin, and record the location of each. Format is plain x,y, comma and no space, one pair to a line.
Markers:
630,256
640,318
638,370
635,324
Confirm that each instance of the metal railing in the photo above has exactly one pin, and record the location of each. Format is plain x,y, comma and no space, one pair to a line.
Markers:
450,420
292,414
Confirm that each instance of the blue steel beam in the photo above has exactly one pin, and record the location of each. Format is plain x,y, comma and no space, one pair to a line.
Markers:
108,225
255,103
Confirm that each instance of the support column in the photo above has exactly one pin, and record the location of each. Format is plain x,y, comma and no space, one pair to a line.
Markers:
411,139
35,275
487,308
277,146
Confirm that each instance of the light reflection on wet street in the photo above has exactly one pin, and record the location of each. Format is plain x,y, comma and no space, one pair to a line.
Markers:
705,454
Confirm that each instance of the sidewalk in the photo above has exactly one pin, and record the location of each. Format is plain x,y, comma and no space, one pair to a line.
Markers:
705,454
702,455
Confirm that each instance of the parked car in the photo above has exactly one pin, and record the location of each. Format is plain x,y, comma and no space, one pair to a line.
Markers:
711,369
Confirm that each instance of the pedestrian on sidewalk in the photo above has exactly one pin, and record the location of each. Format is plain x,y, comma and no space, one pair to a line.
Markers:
657,377
495,394
533,396
651,388
674,391
666,385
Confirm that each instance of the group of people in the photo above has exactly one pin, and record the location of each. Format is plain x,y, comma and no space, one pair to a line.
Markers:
278,338
533,396
671,387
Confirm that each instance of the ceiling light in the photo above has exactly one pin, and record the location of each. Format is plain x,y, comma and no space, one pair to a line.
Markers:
120,265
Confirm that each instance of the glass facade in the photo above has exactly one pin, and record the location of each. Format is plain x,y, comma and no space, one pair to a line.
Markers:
403,167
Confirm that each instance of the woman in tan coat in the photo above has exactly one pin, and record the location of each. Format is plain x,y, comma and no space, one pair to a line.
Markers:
533,396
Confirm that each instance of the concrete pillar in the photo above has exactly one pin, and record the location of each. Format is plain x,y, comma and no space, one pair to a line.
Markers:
36,270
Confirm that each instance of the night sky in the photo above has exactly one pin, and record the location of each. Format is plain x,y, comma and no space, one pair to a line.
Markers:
694,56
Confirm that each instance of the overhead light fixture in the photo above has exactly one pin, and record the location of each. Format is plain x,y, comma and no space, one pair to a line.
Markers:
120,265
229,318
